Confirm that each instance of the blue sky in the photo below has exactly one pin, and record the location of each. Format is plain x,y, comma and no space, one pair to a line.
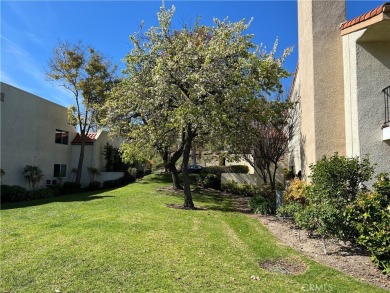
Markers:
30,31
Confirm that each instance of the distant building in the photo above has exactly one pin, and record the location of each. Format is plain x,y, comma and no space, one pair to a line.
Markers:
342,85
35,131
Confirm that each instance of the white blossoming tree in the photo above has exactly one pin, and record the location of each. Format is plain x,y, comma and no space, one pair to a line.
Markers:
190,84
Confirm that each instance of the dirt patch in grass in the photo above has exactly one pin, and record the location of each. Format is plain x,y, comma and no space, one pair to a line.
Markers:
181,207
344,257
285,266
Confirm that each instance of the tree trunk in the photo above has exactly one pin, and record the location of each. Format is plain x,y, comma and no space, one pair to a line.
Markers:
170,160
81,159
175,176
272,183
188,203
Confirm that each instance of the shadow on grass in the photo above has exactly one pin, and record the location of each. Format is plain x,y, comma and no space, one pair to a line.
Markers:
74,197
156,178
214,200
82,196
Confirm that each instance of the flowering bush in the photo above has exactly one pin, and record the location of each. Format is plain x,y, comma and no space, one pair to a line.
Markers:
296,192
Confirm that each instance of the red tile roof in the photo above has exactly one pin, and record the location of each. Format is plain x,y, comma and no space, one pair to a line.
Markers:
365,16
90,138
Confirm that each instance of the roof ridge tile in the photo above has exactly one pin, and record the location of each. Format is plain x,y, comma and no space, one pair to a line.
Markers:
374,12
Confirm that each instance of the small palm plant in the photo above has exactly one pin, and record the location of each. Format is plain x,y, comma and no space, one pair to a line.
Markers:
74,173
93,172
33,174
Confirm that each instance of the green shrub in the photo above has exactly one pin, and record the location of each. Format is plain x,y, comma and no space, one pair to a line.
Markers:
132,171
209,181
211,176
244,189
382,185
218,170
230,186
18,193
71,187
13,193
114,161
241,169
263,200
40,193
336,182
126,179
140,174
109,184
290,210
288,174
267,191
249,189
373,222
262,205
94,185
57,189
321,218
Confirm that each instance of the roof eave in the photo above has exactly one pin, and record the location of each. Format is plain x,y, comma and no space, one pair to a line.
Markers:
365,24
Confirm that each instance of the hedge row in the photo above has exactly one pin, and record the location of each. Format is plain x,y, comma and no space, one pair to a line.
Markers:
17,193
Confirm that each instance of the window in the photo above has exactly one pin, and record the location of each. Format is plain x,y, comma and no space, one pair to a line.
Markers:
386,93
62,136
60,170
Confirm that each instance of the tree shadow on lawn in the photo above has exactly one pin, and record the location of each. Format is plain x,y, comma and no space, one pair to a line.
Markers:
210,199
74,197
165,178
156,178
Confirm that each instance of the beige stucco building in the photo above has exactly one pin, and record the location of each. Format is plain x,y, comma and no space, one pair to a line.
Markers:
341,85
35,131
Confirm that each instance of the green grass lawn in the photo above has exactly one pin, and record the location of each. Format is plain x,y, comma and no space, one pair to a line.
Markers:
128,240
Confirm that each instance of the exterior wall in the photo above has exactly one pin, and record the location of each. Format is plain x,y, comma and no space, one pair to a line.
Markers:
104,176
242,161
373,75
306,72
102,138
94,156
28,127
241,178
295,144
350,94
252,176
89,154
321,75
367,72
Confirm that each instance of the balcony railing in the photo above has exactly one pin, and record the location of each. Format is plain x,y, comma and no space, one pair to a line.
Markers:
386,95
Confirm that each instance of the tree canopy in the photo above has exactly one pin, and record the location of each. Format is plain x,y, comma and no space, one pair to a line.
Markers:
196,83
88,76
